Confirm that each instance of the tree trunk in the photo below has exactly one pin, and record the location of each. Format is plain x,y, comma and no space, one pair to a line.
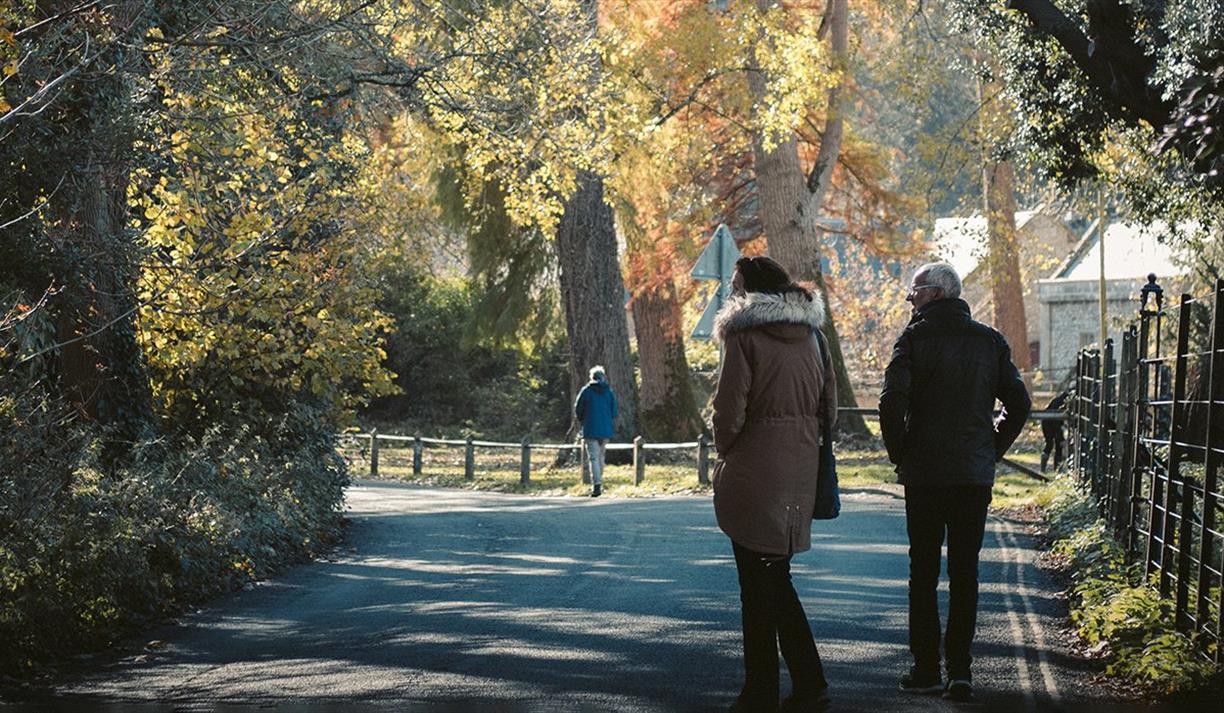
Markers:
669,409
592,293
101,366
1003,255
791,202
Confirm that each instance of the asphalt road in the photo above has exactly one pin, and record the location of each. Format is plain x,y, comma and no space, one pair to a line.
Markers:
449,599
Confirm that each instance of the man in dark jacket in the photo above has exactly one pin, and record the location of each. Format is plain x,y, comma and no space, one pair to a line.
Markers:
937,420
596,410
1052,432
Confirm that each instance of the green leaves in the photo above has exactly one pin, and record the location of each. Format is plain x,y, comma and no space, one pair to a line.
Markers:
1114,609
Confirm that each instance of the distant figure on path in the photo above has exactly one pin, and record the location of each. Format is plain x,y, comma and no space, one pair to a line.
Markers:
936,417
596,410
774,393
1052,431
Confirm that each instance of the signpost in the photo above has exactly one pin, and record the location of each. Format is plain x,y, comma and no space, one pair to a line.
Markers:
717,262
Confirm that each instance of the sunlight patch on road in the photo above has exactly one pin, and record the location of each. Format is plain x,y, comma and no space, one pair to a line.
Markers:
525,649
418,565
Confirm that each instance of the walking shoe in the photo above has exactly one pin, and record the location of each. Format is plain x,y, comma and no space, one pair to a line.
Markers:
921,681
805,702
748,704
959,689
595,491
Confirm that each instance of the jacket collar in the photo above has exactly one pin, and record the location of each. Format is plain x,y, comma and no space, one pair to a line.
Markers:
755,309
947,308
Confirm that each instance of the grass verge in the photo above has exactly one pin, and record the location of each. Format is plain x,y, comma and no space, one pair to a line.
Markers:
863,470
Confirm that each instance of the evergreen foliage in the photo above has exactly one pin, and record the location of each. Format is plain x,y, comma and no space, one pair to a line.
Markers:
452,383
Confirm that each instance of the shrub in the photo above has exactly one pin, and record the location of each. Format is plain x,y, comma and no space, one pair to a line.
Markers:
1113,607
86,554
453,383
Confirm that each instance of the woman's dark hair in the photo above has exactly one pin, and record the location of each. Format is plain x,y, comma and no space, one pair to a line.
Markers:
764,274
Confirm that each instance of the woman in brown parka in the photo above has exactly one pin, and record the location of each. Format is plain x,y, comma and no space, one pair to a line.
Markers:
774,392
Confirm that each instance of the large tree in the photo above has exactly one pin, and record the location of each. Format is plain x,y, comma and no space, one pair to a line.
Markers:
792,198
1002,240
1122,91
70,119
592,292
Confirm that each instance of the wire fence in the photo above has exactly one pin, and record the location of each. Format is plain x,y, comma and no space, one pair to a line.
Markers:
1147,436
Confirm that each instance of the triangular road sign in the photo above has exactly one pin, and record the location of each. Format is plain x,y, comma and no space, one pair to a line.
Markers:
705,325
717,261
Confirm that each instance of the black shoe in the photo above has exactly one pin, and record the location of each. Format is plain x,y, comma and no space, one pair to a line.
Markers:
747,704
921,681
805,702
959,689
595,491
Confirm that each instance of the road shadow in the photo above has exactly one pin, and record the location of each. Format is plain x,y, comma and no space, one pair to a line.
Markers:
551,604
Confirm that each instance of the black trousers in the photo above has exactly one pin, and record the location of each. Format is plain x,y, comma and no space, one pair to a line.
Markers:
772,616
1053,444
930,513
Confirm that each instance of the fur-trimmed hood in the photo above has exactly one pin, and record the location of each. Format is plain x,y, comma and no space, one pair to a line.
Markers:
757,309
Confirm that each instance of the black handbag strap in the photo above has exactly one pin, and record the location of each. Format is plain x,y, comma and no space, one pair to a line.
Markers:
826,360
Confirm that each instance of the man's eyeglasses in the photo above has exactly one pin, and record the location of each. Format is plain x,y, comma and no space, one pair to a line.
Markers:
914,290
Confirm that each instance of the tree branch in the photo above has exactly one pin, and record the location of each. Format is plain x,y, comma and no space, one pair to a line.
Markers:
1117,67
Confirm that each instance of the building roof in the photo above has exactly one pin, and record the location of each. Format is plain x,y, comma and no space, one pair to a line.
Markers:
1131,251
962,241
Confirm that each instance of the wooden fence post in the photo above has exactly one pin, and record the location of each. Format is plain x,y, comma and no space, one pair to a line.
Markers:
703,459
469,459
417,454
525,461
373,452
639,460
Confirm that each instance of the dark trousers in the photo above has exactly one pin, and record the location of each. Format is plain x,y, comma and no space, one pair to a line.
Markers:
772,616
1053,444
960,512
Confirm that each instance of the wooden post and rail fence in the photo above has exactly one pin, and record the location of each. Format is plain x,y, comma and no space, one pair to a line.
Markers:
639,446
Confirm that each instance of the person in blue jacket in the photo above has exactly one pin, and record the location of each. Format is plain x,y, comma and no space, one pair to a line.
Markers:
596,409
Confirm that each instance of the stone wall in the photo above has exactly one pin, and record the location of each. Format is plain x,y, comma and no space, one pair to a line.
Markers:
1071,318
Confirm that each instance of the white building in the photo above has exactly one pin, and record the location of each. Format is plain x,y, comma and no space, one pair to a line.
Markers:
1045,241
1070,298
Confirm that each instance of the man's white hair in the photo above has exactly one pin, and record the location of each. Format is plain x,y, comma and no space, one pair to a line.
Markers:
943,276
598,373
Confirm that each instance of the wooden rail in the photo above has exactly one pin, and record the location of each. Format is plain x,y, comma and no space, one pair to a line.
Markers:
639,446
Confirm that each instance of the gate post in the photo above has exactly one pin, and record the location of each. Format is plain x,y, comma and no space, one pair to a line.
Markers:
1212,462
639,460
1174,501
373,452
525,461
703,459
